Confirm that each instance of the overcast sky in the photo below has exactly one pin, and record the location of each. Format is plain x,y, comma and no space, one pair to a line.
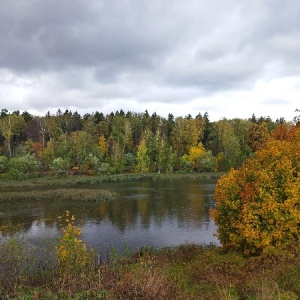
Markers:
230,58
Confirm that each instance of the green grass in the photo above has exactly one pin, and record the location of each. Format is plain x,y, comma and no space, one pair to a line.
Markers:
63,194
69,188
82,180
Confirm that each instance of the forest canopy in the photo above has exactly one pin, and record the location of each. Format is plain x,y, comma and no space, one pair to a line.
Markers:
127,142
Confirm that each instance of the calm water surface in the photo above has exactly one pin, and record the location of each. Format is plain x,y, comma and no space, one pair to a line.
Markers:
158,214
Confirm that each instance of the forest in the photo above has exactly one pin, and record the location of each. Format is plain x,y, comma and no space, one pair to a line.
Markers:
120,142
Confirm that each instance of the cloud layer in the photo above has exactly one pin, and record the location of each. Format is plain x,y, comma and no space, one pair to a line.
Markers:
231,58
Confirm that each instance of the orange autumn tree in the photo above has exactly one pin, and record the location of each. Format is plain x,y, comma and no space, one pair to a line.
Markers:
258,206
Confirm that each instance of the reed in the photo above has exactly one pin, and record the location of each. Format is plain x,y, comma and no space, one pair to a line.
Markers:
63,194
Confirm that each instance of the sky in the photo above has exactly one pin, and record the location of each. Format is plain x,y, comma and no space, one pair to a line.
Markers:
230,58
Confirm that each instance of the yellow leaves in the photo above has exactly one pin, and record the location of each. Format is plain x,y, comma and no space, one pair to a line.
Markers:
258,206
72,255
103,146
196,151
194,157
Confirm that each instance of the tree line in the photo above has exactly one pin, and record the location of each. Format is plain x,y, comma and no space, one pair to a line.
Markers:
127,142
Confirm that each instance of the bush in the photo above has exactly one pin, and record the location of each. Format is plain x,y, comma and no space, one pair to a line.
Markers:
208,162
19,167
105,169
73,257
60,164
198,160
258,206
129,162
3,163
92,161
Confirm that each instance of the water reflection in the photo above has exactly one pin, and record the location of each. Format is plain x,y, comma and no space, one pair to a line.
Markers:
161,213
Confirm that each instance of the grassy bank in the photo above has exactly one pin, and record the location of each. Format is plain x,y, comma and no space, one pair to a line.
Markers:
68,188
66,194
80,180
184,272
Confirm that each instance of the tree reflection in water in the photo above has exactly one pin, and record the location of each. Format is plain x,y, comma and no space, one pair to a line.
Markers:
158,213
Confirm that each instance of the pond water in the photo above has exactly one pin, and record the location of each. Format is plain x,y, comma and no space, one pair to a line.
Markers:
155,213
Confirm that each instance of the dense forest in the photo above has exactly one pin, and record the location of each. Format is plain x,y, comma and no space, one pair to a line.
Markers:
129,142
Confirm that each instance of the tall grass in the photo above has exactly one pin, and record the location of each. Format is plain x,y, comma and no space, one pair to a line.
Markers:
83,180
66,194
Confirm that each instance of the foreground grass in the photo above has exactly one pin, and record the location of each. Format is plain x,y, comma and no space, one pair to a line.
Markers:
184,272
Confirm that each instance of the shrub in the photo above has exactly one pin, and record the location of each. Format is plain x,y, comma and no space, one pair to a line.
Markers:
129,159
19,167
105,169
60,164
92,161
208,162
73,257
258,206
3,163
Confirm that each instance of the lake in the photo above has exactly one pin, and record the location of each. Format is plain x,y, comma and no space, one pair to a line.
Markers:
155,213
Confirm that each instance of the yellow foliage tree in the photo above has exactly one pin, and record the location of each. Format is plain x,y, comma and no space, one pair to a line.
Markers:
103,146
194,156
258,206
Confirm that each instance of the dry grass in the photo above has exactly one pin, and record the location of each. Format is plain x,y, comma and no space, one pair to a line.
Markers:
185,272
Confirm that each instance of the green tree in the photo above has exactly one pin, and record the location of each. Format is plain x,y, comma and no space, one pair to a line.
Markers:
68,122
11,125
165,157
129,162
228,146
143,159
90,126
117,156
81,145
74,148
185,134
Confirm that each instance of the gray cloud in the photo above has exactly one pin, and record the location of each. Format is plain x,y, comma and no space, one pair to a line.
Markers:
93,52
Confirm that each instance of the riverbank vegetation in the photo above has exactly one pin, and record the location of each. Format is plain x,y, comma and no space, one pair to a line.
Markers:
94,144
77,181
66,194
69,270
